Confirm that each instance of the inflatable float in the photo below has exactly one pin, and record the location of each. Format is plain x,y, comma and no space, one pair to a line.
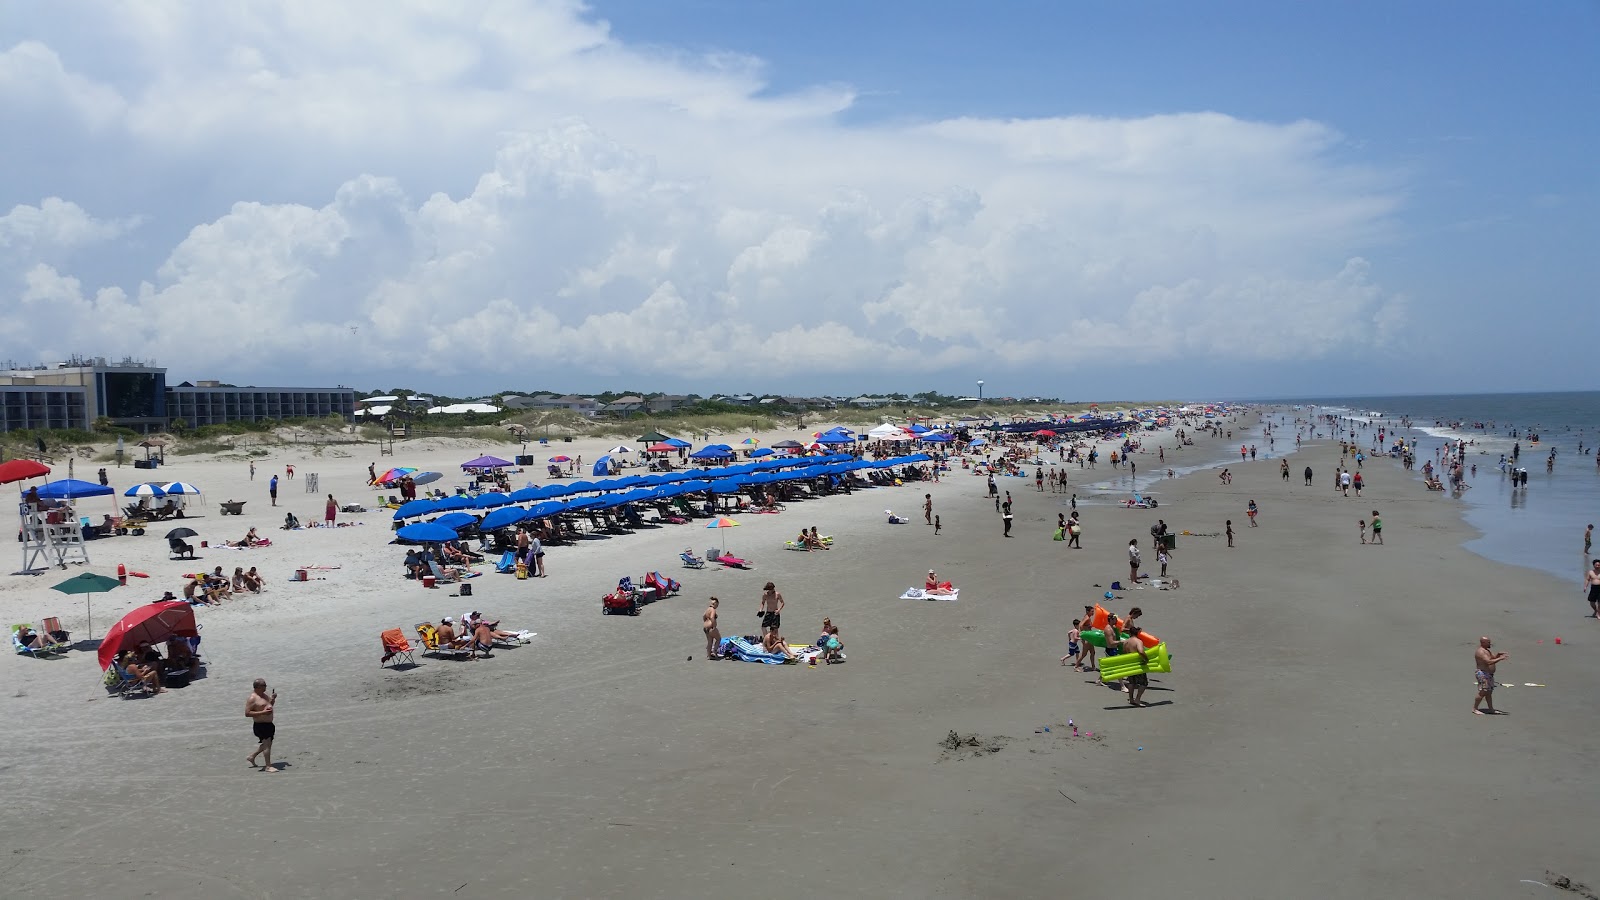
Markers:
1116,668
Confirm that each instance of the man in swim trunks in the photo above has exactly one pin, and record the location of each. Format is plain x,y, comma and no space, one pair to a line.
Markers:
771,608
258,709
1135,685
1485,661
708,624
1591,580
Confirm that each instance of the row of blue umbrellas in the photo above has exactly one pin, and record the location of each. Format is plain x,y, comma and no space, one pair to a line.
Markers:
640,488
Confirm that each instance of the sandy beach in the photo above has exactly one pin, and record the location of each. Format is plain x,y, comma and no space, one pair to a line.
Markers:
1313,740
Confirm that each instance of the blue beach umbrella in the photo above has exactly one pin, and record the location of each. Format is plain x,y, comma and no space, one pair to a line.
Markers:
456,520
415,508
502,517
180,487
459,501
144,490
491,500
424,532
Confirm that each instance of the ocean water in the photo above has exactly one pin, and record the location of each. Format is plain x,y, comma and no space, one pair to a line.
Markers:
1540,526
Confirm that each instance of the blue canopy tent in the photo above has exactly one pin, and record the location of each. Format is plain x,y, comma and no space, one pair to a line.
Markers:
426,532
71,489
711,453
675,442
602,466
833,438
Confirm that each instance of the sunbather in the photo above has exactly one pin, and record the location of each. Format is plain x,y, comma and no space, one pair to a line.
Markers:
773,642
195,592
936,587
447,635
33,640
816,540
254,580
141,672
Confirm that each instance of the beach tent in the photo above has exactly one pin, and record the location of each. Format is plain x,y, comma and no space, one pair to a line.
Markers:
486,462
712,452
661,447
71,489
835,438
885,430
674,442
602,466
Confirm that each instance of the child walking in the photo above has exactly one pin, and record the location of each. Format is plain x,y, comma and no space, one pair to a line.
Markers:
1230,532
1363,531
1072,647
1163,558
936,525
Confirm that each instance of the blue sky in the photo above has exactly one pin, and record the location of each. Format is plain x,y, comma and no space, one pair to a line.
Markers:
1075,199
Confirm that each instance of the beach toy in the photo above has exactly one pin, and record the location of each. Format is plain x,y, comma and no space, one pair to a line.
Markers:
1116,668
1108,596
1095,637
1099,617
1149,640
1558,640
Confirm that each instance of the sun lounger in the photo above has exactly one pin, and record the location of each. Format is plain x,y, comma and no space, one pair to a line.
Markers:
50,647
727,559
431,644
691,561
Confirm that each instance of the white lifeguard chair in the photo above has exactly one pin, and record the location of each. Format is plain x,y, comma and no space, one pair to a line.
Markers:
51,537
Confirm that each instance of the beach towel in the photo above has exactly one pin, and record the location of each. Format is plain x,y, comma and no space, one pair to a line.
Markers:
507,563
749,651
916,593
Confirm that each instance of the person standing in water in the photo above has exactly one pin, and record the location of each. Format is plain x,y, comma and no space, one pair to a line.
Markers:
1591,581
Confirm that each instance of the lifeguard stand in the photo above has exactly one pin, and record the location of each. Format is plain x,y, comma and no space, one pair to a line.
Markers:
52,537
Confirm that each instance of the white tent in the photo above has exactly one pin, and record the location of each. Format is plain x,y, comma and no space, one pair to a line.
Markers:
885,431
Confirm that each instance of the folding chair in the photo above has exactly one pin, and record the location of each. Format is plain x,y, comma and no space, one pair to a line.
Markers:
121,683
430,642
395,647
54,631
46,651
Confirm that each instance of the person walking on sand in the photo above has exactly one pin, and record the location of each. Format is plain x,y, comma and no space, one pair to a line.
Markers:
1005,520
936,525
331,512
1251,511
252,470
771,609
1363,524
1230,532
288,471
1133,560
272,489
708,624
372,473
1591,581
1485,662
927,508
1377,528
258,709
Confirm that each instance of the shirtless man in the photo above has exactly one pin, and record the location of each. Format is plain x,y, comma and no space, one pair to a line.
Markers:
1591,580
708,624
771,608
258,709
482,641
1135,685
447,635
1485,661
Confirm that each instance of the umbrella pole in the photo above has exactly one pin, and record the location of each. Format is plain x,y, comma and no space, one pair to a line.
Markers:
89,600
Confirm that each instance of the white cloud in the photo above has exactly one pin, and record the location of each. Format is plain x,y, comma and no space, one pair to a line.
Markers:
505,188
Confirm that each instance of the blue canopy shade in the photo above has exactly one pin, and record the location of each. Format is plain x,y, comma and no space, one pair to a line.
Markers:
427,531
675,442
835,438
71,489
414,508
456,520
502,517
602,466
491,500
711,453
936,439
459,501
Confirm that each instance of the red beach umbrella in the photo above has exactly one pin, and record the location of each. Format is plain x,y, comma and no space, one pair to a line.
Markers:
151,624
21,470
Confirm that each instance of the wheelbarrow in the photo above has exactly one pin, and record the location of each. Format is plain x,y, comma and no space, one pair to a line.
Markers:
233,507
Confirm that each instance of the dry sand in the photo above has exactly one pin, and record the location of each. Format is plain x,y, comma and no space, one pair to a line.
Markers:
1314,739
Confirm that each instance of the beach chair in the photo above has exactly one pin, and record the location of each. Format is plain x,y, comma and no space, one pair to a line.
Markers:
395,647
430,642
54,631
47,651
440,575
177,549
665,587
691,561
120,682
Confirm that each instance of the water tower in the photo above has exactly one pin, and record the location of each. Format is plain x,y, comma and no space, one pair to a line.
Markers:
980,390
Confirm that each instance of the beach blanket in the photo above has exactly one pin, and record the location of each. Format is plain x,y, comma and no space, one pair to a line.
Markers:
749,651
916,593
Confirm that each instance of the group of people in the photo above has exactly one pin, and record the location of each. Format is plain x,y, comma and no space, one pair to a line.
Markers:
770,612
1101,628
211,589
146,665
477,635
431,559
810,540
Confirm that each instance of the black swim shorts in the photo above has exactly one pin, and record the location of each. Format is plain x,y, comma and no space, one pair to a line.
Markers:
769,620
264,730
1140,680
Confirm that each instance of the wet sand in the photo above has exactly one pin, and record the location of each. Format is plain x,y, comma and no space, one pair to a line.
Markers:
1314,739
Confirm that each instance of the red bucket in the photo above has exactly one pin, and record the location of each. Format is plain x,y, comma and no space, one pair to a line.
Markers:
301,575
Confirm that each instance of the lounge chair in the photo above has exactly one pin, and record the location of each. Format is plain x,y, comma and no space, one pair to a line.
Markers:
48,649
691,561
431,644
441,575
395,646
54,631
176,548
727,559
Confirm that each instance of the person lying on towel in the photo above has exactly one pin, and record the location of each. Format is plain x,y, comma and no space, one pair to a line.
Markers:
936,587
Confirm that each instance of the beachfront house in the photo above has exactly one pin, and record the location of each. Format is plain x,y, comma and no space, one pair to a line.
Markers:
667,403
625,405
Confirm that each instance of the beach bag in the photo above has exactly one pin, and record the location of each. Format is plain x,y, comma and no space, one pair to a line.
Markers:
1075,528
1060,535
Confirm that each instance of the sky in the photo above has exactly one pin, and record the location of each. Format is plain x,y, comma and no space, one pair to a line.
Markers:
1079,199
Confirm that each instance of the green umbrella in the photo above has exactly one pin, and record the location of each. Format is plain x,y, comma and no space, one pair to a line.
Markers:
87,583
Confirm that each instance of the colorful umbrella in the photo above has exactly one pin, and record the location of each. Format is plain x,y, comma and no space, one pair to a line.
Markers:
723,522
750,441
151,624
620,448
88,583
21,470
393,475
560,459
